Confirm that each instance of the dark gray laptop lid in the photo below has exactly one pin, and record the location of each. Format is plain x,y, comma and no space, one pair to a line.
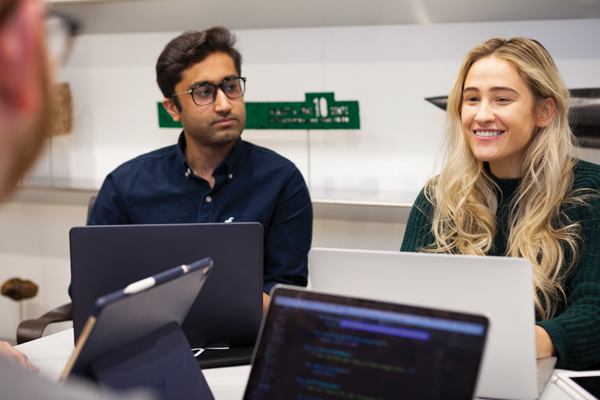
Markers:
228,310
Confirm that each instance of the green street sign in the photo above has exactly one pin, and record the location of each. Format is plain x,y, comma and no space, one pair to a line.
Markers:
317,111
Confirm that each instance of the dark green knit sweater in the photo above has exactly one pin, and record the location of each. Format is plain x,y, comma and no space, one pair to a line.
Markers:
575,331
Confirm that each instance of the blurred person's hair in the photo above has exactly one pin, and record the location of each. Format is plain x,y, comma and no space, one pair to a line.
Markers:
6,6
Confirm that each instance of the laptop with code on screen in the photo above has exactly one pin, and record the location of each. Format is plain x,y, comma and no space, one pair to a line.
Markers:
321,346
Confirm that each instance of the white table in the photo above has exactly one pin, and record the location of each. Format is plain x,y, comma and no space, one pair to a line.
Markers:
51,353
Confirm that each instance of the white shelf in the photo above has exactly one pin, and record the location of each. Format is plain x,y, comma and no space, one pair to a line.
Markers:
371,212
324,208
51,195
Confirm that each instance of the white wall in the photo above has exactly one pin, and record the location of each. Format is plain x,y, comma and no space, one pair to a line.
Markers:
34,245
388,69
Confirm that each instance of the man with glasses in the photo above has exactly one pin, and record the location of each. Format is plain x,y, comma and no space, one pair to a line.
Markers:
211,175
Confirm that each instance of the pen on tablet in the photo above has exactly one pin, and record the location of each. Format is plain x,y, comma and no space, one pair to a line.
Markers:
567,388
138,286
147,283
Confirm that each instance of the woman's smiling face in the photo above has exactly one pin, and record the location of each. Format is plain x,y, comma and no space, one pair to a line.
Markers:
498,115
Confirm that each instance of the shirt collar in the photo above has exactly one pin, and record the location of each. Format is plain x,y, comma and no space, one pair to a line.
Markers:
180,152
236,157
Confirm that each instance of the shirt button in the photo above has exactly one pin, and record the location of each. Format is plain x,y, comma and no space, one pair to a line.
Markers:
230,176
208,199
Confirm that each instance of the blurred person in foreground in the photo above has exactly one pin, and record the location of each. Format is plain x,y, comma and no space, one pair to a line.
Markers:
25,119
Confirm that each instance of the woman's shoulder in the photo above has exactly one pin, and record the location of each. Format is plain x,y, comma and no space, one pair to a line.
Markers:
586,175
425,196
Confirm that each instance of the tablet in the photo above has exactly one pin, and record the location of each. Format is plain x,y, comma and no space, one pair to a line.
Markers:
133,337
584,385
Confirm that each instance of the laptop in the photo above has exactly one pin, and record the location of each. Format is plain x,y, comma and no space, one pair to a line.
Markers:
228,311
133,338
499,287
322,346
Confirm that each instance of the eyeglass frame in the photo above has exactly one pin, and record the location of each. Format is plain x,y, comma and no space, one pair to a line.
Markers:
72,26
72,23
217,87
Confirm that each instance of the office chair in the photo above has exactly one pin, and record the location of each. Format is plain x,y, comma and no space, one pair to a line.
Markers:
34,328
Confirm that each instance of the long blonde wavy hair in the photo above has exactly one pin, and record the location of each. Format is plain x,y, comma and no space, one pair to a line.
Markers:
465,196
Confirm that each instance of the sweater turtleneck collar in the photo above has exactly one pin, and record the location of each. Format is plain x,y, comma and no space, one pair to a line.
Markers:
507,186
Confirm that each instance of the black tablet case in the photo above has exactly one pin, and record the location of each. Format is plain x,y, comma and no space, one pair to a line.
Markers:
137,341
161,360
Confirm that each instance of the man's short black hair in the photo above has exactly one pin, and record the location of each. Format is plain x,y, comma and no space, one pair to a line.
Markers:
190,48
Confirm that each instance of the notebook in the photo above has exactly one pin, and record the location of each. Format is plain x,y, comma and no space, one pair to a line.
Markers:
499,287
227,313
320,346
133,336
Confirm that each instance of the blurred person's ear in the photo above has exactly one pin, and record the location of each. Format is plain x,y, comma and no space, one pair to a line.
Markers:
24,90
21,44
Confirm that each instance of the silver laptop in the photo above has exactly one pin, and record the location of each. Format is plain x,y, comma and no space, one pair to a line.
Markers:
499,287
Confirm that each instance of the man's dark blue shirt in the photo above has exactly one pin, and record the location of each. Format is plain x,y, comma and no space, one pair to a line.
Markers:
253,184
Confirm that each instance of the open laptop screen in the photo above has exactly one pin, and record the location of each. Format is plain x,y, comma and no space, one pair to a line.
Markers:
317,346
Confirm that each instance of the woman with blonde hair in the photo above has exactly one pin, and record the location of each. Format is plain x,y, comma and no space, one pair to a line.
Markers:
511,185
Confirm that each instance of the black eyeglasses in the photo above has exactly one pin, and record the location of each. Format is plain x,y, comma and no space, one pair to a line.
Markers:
60,32
204,94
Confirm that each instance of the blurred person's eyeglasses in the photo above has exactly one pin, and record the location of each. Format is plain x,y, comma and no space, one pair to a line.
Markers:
206,93
60,34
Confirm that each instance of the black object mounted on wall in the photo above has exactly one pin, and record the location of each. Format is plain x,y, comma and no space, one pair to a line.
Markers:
584,115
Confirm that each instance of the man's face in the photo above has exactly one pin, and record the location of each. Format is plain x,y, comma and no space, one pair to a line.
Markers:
219,123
